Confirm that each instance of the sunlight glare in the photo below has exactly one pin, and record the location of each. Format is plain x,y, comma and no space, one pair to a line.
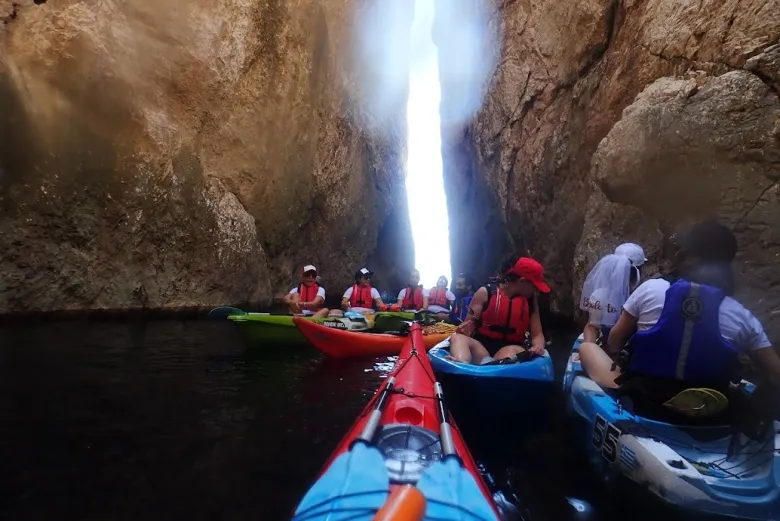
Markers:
424,183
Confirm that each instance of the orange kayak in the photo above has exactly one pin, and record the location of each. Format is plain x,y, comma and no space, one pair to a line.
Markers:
337,343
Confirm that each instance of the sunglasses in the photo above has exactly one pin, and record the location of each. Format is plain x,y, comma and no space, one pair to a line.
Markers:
312,274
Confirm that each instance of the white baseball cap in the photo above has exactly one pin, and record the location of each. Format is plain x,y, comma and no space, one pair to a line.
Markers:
308,268
365,271
634,252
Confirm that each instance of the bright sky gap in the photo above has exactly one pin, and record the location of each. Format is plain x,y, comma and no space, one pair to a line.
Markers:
424,183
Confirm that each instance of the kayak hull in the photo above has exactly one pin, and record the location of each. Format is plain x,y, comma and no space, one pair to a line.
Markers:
702,470
261,329
346,344
405,449
493,390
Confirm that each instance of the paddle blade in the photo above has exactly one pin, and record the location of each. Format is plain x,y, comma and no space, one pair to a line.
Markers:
225,311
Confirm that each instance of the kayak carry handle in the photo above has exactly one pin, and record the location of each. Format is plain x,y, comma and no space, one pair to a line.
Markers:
376,415
405,503
447,445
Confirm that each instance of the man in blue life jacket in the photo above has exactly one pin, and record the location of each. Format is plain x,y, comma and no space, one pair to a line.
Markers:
464,291
687,329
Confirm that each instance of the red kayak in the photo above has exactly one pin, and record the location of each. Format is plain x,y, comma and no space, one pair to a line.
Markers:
402,454
338,343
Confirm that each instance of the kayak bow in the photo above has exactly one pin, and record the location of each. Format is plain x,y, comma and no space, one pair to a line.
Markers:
404,437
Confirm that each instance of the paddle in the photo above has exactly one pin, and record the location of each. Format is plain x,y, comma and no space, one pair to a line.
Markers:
225,311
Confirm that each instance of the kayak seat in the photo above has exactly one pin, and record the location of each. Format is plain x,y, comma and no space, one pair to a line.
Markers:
408,451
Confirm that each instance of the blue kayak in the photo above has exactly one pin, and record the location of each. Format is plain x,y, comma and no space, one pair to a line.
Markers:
493,389
538,369
710,469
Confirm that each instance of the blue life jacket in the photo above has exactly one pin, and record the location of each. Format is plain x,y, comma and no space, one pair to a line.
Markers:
686,343
461,309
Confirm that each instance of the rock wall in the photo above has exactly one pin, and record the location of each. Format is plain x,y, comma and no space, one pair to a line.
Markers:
614,120
167,154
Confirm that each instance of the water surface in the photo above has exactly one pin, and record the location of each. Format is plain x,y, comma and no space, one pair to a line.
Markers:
175,419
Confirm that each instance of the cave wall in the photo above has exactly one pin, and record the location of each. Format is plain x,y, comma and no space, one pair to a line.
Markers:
578,147
168,154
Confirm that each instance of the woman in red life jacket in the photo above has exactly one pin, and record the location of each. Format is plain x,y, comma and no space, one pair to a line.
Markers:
362,297
441,299
499,317
309,297
413,297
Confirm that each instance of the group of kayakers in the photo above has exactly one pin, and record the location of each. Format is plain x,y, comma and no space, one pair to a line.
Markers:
684,327
308,298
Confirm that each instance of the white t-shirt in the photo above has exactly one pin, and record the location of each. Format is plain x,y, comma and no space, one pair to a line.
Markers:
737,324
320,293
440,309
374,295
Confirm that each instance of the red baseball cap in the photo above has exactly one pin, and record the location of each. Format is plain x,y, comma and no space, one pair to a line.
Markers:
532,271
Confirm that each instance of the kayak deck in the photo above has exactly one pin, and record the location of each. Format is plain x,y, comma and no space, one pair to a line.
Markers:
705,469
401,439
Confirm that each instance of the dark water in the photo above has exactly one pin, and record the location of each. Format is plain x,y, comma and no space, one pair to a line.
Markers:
176,420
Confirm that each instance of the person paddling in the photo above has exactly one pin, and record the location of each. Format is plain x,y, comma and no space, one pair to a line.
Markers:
362,297
499,317
413,297
440,299
309,297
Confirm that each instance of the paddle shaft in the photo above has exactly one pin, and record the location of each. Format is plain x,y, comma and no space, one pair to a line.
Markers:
447,444
376,415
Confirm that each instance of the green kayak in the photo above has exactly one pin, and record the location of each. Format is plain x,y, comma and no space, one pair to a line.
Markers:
263,329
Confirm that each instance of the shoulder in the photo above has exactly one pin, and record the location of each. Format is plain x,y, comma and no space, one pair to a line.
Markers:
348,293
293,291
374,293
450,295
320,291
402,293
741,326
652,287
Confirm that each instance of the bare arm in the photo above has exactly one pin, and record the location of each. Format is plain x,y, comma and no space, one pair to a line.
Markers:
345,303
767,362
537,334
425,302
475,312
318,301
621,332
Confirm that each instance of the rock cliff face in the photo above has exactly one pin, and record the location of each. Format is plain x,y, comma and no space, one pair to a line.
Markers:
614,120
171,154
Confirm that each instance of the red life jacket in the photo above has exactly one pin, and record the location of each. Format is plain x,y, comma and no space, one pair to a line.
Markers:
413,298
361,297
504,318
309,293
438,297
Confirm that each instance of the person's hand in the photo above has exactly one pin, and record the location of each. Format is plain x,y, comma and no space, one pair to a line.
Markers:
537,350
295,307
466,328
395,307
383,307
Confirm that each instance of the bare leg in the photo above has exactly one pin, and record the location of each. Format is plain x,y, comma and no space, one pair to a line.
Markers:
322,313
335,313
509,351
598,365
441,316
466,349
